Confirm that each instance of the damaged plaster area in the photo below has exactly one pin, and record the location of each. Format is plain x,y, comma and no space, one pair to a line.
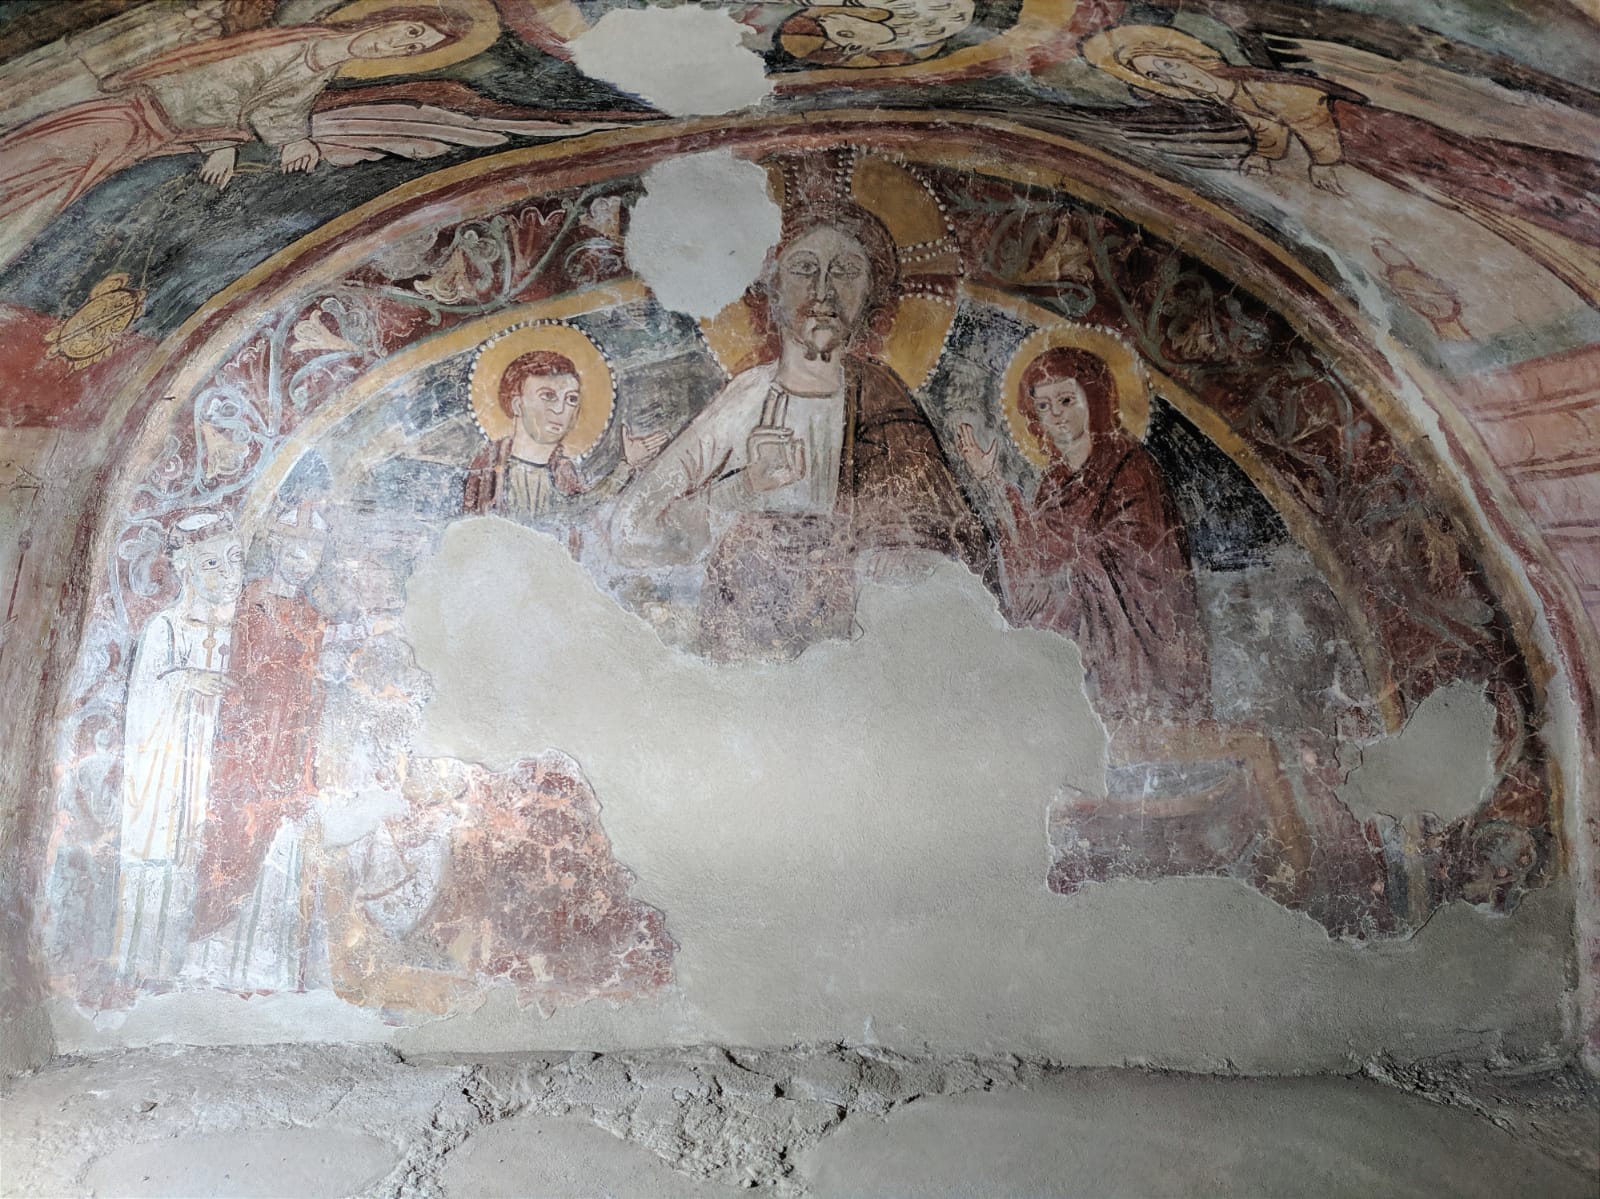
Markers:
700,233
826,1120
1441,762
852,845
687,61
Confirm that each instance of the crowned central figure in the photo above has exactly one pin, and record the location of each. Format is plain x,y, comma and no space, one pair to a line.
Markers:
806,466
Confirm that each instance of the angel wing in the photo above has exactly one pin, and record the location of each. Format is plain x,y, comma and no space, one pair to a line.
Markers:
1463,104
363,132
1201,136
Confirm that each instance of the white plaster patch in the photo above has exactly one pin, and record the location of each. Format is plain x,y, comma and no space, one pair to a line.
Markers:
699,235
853,845
1440,762
215,1018
686,61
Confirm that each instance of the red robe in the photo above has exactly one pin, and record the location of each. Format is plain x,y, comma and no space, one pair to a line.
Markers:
1101,556
485,489
534,896
266,742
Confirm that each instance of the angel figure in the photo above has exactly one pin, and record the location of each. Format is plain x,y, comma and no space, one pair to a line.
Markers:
1541,200
73,68
211,97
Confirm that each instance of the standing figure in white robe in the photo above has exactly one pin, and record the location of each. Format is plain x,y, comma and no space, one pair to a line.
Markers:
174,691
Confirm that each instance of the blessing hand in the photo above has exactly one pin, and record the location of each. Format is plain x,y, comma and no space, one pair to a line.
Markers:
980,458
776,459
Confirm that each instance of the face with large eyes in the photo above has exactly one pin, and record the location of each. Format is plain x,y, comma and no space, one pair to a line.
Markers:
1063,411
215,568
823,281
1176,72
547,407
854,35
396,39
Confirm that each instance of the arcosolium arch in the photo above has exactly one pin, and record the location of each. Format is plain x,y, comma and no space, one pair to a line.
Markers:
334,355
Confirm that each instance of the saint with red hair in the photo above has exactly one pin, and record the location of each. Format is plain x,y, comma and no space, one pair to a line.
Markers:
1099,553
530,474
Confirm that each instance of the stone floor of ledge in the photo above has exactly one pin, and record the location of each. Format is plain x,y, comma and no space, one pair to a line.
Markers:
304,1121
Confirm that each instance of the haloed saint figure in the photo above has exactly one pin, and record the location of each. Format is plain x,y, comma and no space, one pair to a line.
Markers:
542,413
805,465
1099,552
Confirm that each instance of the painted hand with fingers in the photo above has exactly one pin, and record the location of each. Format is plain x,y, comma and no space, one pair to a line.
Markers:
207,682
776,458
982,459
637,450
1325,177
218,167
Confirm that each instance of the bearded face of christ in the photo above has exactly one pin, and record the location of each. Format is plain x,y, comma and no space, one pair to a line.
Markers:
823,282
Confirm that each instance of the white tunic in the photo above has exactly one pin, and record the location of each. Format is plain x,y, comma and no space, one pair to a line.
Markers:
683,500
167,749
168,737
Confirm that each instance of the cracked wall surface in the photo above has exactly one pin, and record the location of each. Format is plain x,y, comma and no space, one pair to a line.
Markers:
806,1120
668,525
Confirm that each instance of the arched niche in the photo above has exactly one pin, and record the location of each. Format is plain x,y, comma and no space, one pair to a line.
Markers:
283,402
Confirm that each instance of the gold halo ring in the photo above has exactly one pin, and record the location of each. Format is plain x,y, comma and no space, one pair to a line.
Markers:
1127,373
930,263
1113,51
482,31
596,388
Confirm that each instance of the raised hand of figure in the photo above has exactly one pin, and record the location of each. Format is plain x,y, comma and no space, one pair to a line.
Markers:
207,682
302,155
217,169
982,459
776,459
1325,177
1255,164
636,451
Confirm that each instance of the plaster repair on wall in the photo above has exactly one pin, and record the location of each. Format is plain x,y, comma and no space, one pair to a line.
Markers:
701,232
687,61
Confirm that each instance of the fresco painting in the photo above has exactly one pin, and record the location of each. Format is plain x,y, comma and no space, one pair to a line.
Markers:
942,365
1265,115
540,413
965,346
1539,199
806,46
